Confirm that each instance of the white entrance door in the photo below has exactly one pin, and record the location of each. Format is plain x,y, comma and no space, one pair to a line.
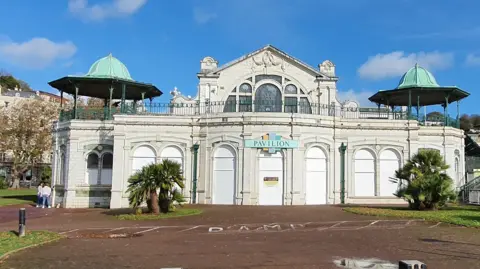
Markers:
316,177
270,191
389,163
224,176
364,182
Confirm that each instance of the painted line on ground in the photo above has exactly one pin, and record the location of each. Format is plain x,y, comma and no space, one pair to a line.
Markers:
433,226
116,229
371,224
71,231
189,229
148,230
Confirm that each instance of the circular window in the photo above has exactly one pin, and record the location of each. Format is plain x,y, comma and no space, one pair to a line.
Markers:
290,89
245,87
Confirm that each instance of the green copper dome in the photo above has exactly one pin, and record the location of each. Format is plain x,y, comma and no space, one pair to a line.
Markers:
109,67
417,77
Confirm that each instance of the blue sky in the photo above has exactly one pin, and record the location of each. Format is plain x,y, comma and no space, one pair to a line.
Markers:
372,42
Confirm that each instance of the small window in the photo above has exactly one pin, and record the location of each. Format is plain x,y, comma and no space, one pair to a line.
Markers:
92,161
291,89
304,106
230,104
245,103
291,104
246,88
107,161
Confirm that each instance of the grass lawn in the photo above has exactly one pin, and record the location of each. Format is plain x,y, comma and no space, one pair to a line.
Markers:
10,242
17,196
181,212
460,215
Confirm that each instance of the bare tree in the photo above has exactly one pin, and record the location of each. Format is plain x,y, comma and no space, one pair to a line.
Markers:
26,133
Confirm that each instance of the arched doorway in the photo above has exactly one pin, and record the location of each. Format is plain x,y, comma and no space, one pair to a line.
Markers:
224,171
364,173
270,168
173,153
389,163
106,171
92,169
316,177
268,98
143,155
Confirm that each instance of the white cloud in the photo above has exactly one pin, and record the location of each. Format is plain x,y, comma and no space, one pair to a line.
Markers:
110,9
394,64
361,97
202,16
472,59
36,53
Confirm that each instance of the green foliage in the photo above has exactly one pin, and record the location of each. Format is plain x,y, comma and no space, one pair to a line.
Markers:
468,216
46,175
156,185
3,183
183,212
9,82
10,242
423,181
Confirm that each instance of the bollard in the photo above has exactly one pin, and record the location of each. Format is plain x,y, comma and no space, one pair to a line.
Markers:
21,222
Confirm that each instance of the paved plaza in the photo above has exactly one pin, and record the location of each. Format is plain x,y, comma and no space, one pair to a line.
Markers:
242,237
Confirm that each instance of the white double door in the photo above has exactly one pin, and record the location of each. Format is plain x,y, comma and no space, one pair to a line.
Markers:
270,179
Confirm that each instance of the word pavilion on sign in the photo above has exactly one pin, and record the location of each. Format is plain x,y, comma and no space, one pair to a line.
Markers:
271,143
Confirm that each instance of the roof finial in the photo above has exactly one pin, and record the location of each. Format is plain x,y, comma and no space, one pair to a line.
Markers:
416,65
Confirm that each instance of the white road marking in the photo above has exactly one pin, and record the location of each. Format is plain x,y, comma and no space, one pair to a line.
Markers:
71,231
148,230
433,226
115,229
192,228
372,223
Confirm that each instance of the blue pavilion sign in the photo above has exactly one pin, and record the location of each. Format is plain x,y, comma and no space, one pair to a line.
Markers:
271,143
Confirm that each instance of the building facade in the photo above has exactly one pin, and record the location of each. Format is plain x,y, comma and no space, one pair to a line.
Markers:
265,129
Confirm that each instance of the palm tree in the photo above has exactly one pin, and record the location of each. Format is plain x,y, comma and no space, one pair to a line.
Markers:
423,181
154,184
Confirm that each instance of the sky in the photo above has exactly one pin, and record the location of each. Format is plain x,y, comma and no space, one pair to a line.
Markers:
371,42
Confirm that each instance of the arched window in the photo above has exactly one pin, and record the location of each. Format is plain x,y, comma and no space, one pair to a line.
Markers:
106,170
268,98
92,168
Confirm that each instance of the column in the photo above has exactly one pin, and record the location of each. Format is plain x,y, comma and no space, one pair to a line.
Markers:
202,156
119,177
298,178
74,170
239,176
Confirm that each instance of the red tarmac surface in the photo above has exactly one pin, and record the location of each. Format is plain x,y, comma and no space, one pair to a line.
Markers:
239,237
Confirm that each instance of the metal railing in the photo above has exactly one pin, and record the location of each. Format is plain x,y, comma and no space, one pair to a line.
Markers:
192,109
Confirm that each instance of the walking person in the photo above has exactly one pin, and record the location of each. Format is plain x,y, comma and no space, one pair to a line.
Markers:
39,195
46,192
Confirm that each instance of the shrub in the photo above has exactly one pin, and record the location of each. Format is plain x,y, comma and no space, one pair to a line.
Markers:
424,183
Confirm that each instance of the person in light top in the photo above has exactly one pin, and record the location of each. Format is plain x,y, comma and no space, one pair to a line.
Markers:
46,192
39,195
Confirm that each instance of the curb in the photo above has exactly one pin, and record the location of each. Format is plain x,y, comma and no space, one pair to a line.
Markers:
5,256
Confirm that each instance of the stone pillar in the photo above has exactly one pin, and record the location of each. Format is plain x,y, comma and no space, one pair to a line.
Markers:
202,162
298,176
239,173
119,175
248,173
377,174
288,181
74,170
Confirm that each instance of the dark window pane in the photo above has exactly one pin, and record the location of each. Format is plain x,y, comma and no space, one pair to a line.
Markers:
291,89
245,103
268,98
291,104
230,104
92,161
107,161
246,88
304,106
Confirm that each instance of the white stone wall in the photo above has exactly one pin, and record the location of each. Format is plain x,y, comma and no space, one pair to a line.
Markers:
126,133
